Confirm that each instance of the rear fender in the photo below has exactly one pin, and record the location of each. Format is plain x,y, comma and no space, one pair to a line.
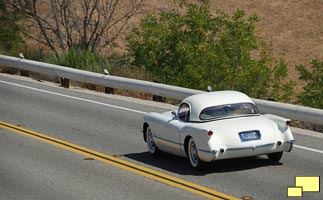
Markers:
199,136
280,121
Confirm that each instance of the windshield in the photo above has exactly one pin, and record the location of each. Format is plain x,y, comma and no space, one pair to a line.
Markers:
229,110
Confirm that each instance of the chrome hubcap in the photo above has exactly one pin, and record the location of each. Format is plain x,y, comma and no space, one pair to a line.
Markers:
151,142
193,153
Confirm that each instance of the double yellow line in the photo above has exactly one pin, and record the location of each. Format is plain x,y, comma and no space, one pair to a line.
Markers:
137,169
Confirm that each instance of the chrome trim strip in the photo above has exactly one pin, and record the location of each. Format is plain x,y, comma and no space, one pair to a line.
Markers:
168,140
239,148
202,150
265,145
207,151
251,147
291,142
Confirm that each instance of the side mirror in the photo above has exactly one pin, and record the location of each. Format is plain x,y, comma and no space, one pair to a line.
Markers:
174,113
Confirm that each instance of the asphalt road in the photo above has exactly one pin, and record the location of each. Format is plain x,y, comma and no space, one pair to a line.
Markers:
32,169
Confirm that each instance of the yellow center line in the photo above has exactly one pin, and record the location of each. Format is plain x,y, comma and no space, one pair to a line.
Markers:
137,169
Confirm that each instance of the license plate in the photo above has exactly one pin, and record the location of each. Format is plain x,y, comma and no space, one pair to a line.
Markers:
249,135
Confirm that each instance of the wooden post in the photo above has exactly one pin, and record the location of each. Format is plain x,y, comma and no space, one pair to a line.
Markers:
24,73
109,90
156,97
65,83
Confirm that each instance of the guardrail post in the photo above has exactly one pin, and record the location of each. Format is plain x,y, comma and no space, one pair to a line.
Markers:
109,90
65,83
24,73
157,97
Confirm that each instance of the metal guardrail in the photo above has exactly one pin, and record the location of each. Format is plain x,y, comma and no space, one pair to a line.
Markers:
295,112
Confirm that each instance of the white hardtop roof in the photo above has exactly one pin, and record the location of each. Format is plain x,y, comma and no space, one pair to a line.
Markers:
198,102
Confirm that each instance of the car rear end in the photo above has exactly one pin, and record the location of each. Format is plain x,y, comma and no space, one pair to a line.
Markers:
246,136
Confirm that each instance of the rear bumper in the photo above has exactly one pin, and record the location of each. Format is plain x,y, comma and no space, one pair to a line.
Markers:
236,152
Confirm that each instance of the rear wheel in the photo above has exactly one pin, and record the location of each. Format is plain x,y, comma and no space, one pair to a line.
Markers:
152,148
275,157
193,155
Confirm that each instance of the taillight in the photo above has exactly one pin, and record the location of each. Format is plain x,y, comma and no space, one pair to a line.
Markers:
210,133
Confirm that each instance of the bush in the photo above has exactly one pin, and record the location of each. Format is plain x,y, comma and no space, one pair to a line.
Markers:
81,59
313,90
197,49
10,38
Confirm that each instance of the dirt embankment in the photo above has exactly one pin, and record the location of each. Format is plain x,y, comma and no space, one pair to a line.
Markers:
292,28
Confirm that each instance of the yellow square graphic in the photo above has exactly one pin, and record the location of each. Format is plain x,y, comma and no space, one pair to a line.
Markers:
295,192
309,183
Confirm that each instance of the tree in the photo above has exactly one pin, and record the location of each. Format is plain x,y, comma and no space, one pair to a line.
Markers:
313,90
89,25
196,49
10,38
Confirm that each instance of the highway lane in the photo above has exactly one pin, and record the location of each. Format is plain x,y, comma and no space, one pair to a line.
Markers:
34,170
115,131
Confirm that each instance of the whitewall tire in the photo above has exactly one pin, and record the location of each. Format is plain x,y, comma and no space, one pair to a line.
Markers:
193,155
152,148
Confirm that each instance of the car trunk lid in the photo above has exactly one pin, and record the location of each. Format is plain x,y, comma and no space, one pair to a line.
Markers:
243,131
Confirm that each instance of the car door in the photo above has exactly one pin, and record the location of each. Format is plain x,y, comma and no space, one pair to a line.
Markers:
174,126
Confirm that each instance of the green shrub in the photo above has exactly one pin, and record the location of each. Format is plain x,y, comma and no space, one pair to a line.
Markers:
83,60
313,90
10,38
197,49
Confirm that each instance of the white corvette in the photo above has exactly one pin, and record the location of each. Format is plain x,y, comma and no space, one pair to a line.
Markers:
217,125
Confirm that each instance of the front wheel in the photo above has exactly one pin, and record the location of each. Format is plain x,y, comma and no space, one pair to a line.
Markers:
152,148
193,155
275,157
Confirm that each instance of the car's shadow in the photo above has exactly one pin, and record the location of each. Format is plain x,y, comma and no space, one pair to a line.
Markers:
181,165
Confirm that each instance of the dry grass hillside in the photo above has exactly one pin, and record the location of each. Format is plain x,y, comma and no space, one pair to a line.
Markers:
293,28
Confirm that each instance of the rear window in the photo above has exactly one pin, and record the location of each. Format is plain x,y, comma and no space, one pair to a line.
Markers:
229,110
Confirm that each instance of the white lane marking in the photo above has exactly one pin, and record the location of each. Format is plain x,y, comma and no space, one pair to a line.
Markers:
118,107
308,149
73,97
